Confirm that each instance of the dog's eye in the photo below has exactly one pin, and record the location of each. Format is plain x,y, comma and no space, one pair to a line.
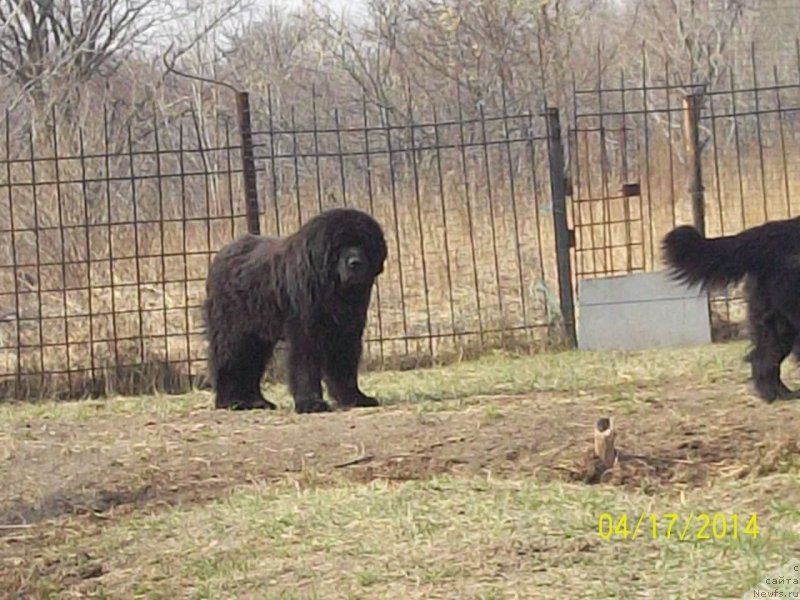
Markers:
354,262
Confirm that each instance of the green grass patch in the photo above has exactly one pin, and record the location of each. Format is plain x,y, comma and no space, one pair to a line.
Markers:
469,538
617,373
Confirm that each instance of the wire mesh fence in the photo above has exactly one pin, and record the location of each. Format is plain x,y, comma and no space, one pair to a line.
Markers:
648,152
465,204
105,245
106,242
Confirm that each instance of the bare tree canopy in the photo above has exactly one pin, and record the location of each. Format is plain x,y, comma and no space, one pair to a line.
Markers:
48,44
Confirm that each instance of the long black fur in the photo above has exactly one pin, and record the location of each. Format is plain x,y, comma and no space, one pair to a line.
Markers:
312,289
767,259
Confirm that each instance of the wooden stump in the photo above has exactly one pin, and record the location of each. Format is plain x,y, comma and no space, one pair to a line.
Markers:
604,458
604,436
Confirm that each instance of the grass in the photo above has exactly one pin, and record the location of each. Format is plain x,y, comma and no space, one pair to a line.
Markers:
496,374
252,505
446,537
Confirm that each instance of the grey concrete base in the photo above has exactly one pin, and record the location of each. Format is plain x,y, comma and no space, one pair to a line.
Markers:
639,311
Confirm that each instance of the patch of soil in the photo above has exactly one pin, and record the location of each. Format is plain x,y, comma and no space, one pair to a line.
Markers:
61,503
112,464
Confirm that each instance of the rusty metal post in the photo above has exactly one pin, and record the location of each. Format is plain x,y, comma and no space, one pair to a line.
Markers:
248,163
691,116
558,191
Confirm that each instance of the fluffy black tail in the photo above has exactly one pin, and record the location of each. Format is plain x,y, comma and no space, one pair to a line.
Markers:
718,262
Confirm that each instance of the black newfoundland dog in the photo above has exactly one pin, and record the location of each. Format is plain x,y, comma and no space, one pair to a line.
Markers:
767,258
312,289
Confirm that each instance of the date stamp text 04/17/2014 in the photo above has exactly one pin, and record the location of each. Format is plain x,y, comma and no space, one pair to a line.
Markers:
700,526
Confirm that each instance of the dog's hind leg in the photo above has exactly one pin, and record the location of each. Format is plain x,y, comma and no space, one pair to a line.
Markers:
773,338
238,380
778,307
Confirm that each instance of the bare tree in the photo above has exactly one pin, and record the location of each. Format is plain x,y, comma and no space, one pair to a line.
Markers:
274,55
50,48
693,43
696,37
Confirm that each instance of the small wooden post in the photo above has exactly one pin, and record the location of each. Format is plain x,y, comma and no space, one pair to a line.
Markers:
604,435
691,115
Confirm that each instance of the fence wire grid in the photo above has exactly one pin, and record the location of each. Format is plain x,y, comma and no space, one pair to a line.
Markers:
106,243
648,152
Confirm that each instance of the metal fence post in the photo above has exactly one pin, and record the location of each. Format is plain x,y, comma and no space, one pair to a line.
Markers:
248,163
558,191
691,115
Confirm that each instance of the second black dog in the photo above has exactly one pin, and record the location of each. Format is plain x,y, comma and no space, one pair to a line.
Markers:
767,259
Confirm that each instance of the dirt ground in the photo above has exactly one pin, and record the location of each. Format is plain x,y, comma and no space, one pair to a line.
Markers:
125,462
107,466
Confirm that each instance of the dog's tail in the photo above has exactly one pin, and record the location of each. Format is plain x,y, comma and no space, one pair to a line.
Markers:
715,262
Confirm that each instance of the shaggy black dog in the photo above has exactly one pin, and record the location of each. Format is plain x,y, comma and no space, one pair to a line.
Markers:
767,258
312,289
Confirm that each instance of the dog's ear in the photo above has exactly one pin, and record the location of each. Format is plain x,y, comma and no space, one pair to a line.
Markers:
317,255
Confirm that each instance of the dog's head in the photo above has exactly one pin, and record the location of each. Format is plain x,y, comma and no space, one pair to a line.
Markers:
355,269
347,248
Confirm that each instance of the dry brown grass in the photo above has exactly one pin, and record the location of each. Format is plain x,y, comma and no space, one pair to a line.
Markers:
436,301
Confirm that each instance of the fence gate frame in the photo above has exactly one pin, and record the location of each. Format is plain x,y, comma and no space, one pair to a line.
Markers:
590,137
598,237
